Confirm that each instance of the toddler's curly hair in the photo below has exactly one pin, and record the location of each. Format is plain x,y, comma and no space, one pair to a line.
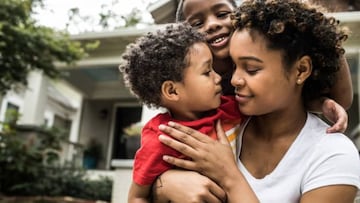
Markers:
297,28
157,57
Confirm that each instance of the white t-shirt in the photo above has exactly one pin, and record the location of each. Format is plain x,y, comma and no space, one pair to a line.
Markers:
315,159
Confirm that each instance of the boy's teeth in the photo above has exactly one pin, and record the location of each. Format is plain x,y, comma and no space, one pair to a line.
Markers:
218,40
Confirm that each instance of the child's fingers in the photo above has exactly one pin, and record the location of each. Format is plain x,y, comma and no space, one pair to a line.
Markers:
340,126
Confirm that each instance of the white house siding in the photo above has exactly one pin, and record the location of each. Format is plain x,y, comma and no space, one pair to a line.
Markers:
43,100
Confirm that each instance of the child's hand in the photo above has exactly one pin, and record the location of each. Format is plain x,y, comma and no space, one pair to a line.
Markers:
336,114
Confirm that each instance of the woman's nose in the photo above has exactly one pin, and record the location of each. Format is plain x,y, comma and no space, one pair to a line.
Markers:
237,80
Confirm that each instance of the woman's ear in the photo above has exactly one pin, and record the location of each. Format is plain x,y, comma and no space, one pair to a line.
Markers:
169,90
303,69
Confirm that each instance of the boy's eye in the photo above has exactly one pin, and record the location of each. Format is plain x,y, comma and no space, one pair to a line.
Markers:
223,14
196,24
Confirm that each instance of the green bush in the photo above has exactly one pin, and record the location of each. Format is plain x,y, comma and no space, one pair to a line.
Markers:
30,167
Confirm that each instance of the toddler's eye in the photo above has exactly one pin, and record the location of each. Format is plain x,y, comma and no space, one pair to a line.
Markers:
207,73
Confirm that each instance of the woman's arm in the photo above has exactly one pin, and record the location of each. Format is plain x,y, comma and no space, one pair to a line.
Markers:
180,186
330,194
209,157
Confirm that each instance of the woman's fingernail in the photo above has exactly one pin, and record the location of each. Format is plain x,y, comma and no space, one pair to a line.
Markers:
166,158
161,126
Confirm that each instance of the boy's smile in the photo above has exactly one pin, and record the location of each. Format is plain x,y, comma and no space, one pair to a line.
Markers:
211,17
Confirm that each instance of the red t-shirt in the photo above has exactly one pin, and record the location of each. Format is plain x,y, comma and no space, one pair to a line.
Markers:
148,163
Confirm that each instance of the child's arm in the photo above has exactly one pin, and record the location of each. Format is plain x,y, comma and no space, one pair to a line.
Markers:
341,97
333,112
342,91
139,193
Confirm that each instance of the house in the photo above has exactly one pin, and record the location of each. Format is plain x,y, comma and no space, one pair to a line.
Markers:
93,104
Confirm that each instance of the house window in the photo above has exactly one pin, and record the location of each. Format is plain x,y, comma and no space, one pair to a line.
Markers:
11,111
123,147
63,124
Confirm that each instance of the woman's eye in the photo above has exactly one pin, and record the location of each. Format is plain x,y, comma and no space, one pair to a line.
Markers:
252,71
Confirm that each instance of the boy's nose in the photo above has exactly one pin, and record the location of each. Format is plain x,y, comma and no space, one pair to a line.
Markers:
212,25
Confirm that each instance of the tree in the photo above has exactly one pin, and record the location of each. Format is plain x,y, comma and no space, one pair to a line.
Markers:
26,46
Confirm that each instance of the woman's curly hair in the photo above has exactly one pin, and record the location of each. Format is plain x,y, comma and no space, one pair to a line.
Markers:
298,29
157,57
179,16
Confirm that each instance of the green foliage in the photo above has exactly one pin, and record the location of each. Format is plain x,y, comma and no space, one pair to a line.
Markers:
23,159
57,182
29,166
26,46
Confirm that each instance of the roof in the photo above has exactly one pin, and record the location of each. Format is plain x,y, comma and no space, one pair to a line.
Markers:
164,11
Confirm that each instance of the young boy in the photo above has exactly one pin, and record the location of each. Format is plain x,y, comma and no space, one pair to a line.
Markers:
173,68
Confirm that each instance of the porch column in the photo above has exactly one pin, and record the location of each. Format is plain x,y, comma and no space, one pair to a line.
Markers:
34,100
75,131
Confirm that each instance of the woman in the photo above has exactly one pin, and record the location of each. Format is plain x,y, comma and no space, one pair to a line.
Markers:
285,52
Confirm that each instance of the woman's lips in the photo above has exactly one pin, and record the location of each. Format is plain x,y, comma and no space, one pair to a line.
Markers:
242,98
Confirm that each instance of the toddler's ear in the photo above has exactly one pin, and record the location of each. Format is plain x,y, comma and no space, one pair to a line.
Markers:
169,90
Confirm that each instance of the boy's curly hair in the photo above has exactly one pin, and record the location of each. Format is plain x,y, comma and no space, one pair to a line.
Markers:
179,11
297,29
157,57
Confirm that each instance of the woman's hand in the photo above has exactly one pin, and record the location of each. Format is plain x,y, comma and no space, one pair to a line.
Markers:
209,157
180,186
336,114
